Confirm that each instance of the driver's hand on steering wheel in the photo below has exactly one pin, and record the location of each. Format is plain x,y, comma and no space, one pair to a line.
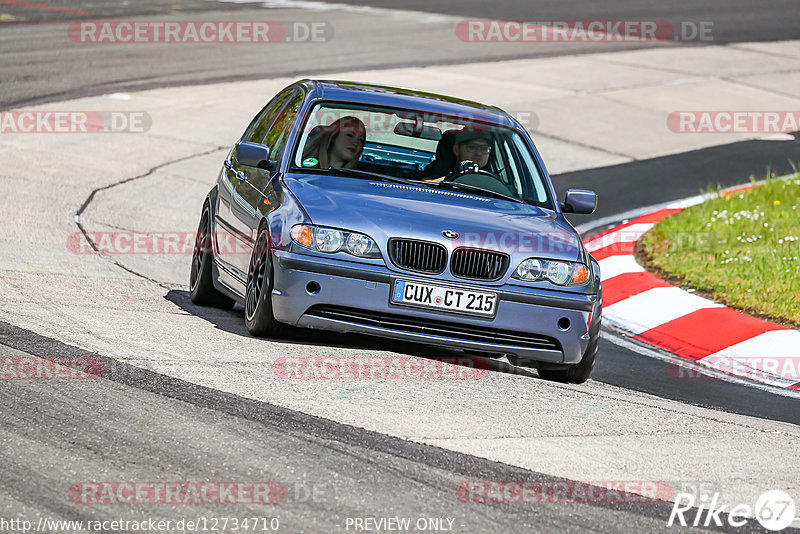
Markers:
468,165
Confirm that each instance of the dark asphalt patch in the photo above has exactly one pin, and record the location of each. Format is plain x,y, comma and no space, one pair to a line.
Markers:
628,516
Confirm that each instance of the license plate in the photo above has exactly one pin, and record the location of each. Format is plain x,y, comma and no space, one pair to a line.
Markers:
453,299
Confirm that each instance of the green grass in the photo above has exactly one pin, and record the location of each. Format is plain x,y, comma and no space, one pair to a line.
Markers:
741,248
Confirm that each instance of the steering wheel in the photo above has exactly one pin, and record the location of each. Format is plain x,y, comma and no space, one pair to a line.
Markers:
468,167
471,174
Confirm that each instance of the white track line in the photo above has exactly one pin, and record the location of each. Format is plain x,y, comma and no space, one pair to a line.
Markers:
616,265
654,307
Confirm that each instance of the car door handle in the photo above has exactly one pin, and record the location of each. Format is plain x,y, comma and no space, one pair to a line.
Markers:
241,176
228,164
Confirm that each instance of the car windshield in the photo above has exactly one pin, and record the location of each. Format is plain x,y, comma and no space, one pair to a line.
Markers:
435,150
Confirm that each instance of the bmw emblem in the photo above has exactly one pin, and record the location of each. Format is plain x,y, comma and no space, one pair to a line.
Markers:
449,234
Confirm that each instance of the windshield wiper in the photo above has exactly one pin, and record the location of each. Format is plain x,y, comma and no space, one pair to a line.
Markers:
341,171
480,190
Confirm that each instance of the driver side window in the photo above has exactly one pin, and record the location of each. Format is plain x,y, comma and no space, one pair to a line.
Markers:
257,130
279,130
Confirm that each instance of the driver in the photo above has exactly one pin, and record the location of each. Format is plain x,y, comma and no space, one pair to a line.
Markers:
469,145
474,146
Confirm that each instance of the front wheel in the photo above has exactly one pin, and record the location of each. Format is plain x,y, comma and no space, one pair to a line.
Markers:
577,373
258,315
201,286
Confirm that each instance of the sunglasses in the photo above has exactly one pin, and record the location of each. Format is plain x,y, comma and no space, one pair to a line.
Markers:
477,148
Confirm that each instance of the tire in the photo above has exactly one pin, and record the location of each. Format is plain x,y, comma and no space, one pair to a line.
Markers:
201,285
258,315
574,374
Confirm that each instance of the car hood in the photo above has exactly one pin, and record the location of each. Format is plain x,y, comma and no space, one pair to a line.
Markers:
385,210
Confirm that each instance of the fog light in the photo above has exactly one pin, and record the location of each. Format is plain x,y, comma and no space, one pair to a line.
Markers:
312,288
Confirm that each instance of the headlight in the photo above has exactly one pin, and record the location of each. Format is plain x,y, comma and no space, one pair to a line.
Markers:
530,269
331,240
362,246
328,240
561,273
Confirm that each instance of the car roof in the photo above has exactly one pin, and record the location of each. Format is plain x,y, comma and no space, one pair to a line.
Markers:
366,93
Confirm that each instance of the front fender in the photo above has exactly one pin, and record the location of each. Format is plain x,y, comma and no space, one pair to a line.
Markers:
595,274
280,220
211,196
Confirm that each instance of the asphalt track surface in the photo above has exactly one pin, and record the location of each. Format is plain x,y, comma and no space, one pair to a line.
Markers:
734,21
152,424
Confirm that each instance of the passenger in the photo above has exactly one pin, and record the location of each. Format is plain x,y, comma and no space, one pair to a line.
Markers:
337,145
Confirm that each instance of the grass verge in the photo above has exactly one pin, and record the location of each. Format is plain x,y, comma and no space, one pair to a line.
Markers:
741,249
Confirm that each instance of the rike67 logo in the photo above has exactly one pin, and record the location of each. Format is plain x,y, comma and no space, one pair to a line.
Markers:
774,510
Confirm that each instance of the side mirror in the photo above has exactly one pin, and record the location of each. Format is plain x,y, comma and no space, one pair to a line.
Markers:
253,155
579,201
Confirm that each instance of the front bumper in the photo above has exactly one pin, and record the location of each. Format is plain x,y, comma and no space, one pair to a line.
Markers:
343,296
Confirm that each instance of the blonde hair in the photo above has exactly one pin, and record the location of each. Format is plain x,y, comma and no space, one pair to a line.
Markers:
319,145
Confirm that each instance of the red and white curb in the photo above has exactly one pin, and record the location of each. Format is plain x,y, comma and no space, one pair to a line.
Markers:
659,314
